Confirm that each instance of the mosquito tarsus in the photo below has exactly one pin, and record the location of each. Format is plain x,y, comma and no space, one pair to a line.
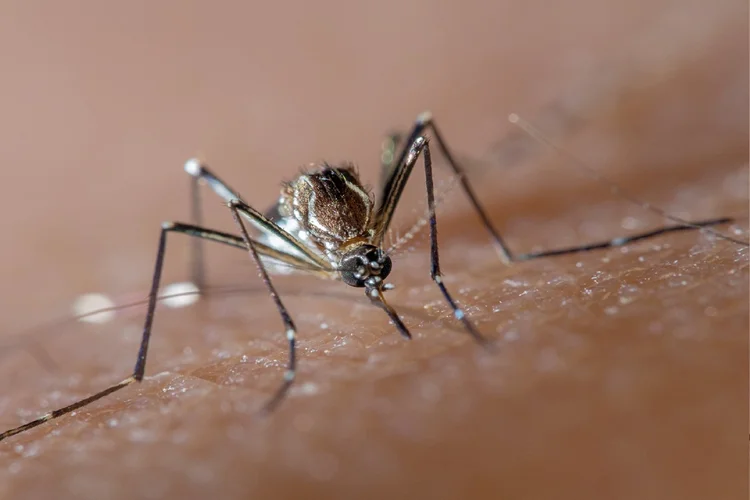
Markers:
326,223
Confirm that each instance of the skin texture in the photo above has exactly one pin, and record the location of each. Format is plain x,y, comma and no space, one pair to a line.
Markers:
616,374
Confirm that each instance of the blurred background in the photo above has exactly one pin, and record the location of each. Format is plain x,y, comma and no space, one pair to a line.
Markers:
102,104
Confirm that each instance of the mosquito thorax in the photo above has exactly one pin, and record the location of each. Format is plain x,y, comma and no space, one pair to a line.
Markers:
365,266
329,204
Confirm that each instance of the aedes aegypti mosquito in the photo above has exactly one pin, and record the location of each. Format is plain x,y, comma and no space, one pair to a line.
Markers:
327,224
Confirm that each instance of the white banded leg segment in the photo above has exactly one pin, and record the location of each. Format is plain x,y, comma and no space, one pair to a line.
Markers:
200,171
235,205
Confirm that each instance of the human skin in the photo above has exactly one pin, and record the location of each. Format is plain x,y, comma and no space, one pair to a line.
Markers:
614,374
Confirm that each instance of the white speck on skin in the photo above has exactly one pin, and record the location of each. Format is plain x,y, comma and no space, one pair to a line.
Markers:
511,336
31,450
180,294
309,388
629,223
549,360
141,435
86,306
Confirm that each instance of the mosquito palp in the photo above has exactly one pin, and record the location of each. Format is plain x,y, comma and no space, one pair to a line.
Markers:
328,225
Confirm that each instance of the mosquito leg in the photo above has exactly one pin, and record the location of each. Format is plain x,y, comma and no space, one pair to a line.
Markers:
618,242
420,146
384,212
140,365
388,151
426,122
199,172
388,201
265,225
613,187
238,206
197,260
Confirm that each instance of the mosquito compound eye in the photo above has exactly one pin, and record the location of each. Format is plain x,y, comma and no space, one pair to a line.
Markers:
385,267
365,266
353,273
378,263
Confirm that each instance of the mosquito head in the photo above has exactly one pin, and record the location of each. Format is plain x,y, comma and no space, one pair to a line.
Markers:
365,266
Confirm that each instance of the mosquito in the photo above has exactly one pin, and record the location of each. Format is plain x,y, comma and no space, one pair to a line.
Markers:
327,224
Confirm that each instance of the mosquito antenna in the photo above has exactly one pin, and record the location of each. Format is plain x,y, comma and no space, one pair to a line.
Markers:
613,187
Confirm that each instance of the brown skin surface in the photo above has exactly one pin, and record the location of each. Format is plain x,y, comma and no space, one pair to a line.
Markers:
616,374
